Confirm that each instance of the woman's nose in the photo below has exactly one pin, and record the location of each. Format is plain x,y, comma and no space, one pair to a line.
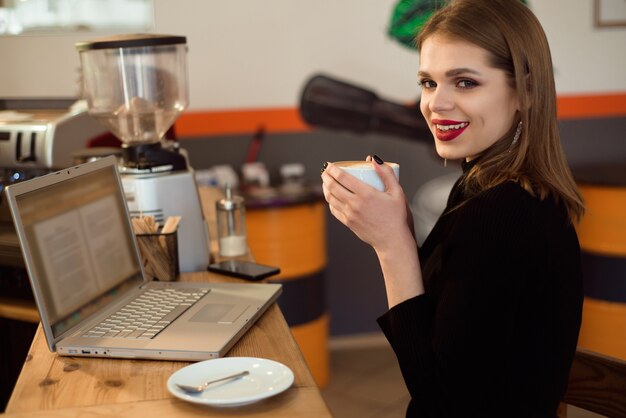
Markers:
441,99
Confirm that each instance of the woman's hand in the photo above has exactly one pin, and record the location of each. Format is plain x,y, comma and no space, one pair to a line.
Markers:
382,220
378,218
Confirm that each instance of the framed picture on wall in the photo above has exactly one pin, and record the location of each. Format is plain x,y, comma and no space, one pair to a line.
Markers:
609,12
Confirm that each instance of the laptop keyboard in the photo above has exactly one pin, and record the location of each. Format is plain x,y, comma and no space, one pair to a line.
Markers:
147,315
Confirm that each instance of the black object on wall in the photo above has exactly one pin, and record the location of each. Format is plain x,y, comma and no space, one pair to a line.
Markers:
337,104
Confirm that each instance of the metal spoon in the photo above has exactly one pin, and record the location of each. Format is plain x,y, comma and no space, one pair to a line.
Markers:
202,387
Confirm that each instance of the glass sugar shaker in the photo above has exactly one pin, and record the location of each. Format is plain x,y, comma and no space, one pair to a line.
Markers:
231,225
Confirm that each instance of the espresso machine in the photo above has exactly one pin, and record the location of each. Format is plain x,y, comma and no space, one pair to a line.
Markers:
37,136
136,85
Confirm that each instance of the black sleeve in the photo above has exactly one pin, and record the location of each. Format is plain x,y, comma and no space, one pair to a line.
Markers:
459,346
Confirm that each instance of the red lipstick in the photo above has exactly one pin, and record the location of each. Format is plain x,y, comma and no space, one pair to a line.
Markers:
447,130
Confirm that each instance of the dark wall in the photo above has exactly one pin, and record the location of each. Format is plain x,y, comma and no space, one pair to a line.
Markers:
354,284
592,141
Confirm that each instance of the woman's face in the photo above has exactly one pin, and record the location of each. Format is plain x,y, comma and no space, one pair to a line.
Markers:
467,103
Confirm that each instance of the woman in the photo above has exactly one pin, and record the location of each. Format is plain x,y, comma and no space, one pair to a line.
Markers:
484,318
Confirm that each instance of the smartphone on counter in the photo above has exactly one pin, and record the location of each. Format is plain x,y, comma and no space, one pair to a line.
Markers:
243,269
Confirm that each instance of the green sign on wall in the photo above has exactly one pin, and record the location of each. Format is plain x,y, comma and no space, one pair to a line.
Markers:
408,17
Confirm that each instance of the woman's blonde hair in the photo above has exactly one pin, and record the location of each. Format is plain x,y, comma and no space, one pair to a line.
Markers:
517,44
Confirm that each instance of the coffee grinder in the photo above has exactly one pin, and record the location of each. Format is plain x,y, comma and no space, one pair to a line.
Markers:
136,85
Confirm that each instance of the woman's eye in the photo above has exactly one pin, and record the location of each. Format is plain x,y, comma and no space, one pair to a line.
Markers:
426,84
466,84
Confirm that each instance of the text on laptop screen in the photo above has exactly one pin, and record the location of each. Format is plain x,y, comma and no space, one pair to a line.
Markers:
81,244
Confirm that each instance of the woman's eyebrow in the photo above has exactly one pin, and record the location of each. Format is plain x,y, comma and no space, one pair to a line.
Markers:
452,73
459,71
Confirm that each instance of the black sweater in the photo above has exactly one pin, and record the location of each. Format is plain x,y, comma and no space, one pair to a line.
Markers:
495,333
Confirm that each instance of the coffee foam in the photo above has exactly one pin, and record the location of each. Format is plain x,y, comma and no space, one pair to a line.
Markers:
354,164
360,165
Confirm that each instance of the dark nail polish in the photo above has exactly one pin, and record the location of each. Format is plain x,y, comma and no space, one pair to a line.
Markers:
378,160
325,165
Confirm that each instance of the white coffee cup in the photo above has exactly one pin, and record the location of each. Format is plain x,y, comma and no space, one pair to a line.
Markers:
364,171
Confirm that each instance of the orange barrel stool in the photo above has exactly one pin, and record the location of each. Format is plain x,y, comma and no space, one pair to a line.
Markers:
602,235
289,231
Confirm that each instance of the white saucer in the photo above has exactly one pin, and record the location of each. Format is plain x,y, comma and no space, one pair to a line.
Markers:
267,378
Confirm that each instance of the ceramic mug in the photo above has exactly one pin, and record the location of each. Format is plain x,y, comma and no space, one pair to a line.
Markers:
364,171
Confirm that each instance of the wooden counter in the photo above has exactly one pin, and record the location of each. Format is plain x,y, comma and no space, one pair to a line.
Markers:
55,386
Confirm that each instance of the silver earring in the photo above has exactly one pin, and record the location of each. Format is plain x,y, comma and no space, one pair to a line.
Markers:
445,162
518,133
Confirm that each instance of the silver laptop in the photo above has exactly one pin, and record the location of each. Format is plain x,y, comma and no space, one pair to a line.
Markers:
93,297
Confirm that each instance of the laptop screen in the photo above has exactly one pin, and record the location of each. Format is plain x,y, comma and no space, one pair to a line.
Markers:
80,245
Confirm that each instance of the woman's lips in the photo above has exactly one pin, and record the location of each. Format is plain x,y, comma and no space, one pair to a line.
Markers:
447,130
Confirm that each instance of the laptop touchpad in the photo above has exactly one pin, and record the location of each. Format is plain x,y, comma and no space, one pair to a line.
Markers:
219,313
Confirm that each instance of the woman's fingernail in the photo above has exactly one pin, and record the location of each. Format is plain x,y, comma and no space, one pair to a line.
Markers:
378,160
324,167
